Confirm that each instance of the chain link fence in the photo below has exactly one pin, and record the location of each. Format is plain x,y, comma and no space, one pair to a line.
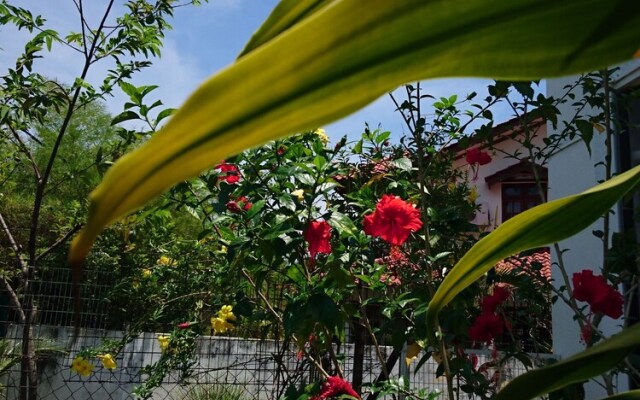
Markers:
246,367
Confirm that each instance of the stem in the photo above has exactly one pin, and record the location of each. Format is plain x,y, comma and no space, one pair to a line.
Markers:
374,340
607,162
332,354
445,361
606,377
279,318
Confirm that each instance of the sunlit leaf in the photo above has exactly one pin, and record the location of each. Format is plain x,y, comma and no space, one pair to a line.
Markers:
286,14
582,366
536,227
413,350
345,56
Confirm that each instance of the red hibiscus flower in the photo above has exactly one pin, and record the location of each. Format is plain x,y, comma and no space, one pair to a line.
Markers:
491,302
335,386
475,156
594,290
393,220
231,173
318,235
486,327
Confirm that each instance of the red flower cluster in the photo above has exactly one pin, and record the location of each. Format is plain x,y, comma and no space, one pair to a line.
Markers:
397,265
231,173
239,205
318,235
335,386
593,289
393,220
475,156
488,325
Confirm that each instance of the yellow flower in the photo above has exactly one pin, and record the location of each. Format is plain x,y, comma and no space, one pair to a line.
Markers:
107,361
135,283
473,195
220,325
82,366
299,194
164,260
146,273
164,343
226,313
322,134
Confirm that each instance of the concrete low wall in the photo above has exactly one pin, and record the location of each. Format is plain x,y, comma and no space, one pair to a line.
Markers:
260,367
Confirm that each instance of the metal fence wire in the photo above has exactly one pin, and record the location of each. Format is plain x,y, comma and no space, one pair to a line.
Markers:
241,367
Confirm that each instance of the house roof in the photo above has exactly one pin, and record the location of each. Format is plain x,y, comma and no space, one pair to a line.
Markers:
519,172
501,132
537,265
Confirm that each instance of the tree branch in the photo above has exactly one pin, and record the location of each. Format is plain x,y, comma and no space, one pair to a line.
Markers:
13,297
58,242
14,244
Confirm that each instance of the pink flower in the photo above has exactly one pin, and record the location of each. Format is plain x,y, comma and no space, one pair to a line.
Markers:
393,220
335,386
318,235
594,290
184,325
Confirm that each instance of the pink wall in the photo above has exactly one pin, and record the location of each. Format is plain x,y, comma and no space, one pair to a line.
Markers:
489,198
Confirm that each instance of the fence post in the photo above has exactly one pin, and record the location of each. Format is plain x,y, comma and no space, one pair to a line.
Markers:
404,371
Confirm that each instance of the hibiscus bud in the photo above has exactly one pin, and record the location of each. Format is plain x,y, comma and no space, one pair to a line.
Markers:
233,207
340,144
184,325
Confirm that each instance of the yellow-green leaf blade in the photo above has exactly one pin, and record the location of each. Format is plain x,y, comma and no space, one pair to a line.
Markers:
536,227
344,57
582,366
286,14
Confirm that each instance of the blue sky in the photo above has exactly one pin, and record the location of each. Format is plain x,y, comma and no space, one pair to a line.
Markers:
204,40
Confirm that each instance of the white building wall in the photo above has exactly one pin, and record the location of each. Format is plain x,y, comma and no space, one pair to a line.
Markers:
571,171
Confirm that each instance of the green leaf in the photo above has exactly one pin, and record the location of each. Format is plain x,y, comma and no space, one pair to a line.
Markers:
124,116
342,223
286,201
582,366
586,132
347,55
164,114
536,227
255,209
130,90
403,163
357,149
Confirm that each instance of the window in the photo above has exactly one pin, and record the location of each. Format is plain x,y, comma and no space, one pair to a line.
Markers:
519,197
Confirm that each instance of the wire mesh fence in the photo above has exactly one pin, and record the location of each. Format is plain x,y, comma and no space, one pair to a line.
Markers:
252,364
